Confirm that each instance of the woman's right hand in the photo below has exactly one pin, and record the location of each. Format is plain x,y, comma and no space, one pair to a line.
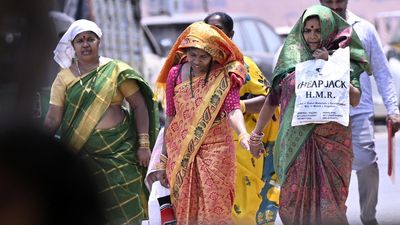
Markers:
144,155
162,177
321,53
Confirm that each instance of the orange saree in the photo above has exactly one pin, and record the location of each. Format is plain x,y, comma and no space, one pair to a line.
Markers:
199,143
201,153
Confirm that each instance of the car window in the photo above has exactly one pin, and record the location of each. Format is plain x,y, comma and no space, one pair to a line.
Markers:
146,47
251,34
395,38
272,40
150,44
238,36
166,35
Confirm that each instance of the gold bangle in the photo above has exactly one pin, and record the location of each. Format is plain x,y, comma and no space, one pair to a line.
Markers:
143,140
143,135
255,142
144,145
242,106
243,135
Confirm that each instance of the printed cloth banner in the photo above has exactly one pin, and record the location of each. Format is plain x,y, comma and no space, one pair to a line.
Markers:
322,90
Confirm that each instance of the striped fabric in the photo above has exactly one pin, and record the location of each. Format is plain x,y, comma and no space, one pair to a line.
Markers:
110,153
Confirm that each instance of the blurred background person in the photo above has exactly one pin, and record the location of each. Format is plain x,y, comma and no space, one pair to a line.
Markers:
362,116
26,39
86,104
252,174
43,182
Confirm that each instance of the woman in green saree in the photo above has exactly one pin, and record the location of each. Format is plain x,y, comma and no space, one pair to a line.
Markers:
86,105
313,161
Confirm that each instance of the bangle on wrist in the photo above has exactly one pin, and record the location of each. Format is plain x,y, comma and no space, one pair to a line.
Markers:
144,144
143,139
257,135
242,106
146,135
256,138
243,135
255,142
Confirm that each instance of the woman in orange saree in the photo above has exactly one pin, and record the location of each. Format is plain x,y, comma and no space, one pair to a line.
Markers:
202,76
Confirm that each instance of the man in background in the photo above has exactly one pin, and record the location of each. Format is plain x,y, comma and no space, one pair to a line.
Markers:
362,116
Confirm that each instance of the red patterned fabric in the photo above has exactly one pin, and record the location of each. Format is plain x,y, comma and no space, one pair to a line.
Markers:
317,183
206,192
231,103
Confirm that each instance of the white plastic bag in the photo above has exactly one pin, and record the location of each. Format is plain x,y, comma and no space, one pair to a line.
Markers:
157,191
155,157
322,90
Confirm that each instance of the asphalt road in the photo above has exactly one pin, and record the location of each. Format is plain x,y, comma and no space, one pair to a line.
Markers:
388,209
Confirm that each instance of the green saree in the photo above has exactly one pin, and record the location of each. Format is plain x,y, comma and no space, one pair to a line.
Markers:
111,153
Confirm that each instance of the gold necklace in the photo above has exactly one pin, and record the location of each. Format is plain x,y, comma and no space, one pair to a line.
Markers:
89,85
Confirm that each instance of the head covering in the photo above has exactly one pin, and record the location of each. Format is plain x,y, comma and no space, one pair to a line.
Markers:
205,37
335,33
64,51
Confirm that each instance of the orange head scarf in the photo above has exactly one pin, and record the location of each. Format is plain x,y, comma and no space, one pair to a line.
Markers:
205,37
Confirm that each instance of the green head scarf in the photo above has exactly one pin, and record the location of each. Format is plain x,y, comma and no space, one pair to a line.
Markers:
335,33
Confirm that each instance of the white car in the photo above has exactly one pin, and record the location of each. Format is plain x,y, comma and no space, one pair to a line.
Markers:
255,38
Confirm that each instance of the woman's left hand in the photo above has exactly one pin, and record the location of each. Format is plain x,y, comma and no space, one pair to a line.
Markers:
144,155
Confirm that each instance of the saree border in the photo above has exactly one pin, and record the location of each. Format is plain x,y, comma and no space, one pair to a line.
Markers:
97,108
203,121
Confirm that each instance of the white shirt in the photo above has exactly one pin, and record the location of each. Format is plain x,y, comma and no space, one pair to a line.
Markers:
380,69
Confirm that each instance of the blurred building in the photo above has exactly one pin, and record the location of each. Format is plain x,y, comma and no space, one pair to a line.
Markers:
120,23
281,13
